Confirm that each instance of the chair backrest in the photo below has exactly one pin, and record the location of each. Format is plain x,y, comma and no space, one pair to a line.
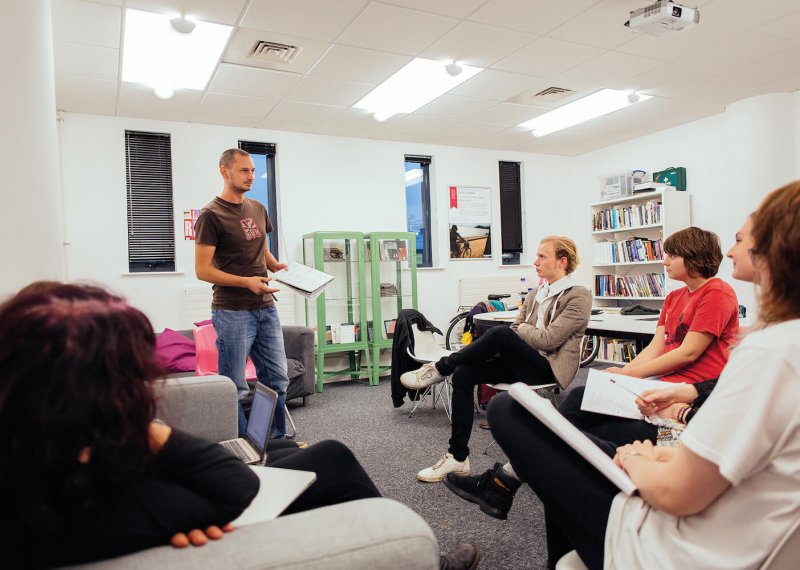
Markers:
425,345
206,357
786,554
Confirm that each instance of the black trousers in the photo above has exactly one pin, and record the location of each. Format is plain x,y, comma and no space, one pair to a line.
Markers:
611,430
340,477
576,497
500,355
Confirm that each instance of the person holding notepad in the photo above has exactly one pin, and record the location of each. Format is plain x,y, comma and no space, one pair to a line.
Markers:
540,347
739,463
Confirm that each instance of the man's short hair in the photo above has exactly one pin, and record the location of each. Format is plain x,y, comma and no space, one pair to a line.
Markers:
700,250
228,156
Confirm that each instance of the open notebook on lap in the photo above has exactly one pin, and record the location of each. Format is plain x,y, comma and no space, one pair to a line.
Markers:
252,448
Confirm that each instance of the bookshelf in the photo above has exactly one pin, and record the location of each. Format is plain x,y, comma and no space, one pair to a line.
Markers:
392,287
627,236
339,315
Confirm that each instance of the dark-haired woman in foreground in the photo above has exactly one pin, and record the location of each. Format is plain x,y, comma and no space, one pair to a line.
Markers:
727,496
85,471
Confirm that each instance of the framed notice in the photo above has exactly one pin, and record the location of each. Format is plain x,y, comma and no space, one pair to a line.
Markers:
470,222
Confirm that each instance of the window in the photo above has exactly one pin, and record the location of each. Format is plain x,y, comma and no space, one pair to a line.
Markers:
510,212
264,187
418,205
151,221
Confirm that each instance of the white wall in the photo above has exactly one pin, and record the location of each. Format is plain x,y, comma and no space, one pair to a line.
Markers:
331,183
324,183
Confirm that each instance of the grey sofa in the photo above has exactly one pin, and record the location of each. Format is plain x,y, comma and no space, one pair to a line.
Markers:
299,344
370,533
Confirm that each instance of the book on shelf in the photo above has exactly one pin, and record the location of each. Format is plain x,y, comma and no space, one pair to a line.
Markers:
617,350
615,394
575,438
303,280
648,285
631,250
623,217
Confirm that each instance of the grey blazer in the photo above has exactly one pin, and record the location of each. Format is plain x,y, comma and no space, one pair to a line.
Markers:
559,341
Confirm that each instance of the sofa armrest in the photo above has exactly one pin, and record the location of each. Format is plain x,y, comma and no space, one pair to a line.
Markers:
204,406
371,533
298,342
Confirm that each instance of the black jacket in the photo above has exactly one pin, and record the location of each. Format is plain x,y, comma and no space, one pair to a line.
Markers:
403,338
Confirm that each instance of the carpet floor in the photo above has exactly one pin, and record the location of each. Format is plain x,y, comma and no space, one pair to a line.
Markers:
392,447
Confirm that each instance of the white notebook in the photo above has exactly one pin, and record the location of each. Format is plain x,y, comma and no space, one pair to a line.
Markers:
549,416
278,488
615,394
303,280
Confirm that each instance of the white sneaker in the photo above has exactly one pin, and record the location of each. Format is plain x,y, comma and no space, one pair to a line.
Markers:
422,378
447,464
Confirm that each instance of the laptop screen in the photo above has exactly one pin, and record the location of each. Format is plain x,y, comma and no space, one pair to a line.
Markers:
260,422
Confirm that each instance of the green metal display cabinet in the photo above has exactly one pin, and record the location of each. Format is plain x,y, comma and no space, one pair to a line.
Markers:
393,286
339,315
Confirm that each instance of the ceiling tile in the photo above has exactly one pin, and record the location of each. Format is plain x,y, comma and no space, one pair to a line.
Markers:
738,12
304,112
531,16
86,60
785,27
610,69
227,12
548,57
142,97
328,92
216,104
225,120
721,90
729,54
454,8
316,19
477,44
602,25
87,23
358,65
415,124
498,85
455,107
509,114
394,29
250,81
472,128
85,95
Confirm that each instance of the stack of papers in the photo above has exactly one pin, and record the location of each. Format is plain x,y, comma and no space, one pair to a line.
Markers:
303,280
615,394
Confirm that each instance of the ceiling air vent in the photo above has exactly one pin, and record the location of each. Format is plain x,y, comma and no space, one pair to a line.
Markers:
274,52
553,94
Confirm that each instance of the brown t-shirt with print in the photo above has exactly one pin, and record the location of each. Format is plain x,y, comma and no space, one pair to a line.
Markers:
239,233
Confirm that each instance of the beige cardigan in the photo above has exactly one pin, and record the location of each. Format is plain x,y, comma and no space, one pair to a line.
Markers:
559,341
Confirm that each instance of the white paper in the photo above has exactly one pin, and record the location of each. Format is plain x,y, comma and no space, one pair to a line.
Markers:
303,280
277,490
617,398
586,448
347,333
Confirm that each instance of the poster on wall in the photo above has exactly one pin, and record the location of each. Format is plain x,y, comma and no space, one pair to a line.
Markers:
470,222
189,220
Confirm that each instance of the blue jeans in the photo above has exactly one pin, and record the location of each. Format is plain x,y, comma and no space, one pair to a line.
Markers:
256,333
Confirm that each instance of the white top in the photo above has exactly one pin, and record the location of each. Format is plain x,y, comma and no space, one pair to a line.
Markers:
750,428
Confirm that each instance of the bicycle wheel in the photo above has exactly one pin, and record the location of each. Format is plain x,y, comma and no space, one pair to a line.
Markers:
467,252
452,340
590,345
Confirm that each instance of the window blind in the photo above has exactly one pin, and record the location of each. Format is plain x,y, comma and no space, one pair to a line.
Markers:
151,224
510,207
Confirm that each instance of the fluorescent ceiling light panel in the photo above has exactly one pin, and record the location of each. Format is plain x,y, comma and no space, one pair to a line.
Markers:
159,56
419,82
590,107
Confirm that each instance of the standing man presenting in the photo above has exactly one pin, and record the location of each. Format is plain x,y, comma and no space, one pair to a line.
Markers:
231,252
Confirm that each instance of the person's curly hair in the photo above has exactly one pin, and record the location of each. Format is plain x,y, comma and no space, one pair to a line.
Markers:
76,401
700,250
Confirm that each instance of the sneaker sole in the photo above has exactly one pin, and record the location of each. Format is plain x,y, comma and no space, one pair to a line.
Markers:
420,386
425,479
493,512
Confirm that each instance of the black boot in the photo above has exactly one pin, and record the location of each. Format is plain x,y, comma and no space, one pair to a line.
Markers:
463,557
493,491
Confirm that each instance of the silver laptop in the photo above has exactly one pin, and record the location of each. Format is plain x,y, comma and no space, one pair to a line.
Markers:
252,448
